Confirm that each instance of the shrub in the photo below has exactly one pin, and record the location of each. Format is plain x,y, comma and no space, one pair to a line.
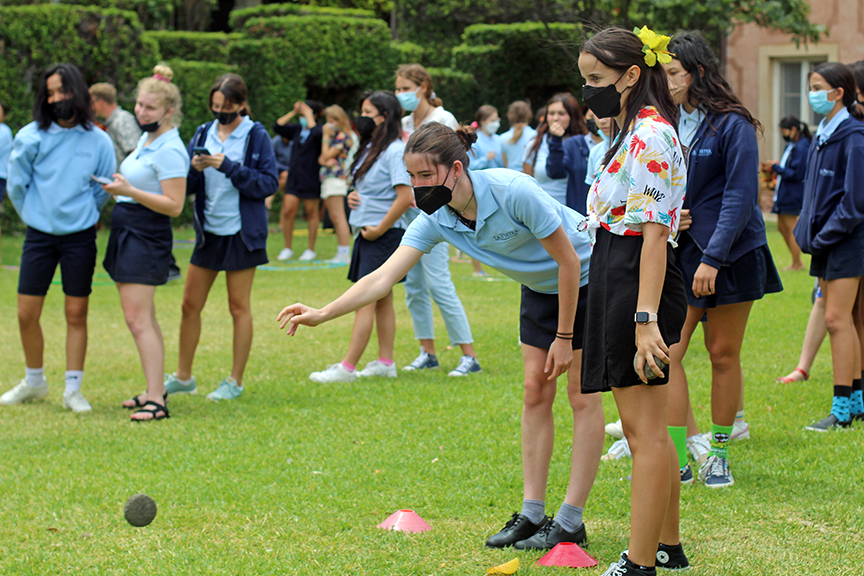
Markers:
273,73
107,45
194,80
239,18
194,46
407,52
457,90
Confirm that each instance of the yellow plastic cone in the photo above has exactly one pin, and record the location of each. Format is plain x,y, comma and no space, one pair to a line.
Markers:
509,568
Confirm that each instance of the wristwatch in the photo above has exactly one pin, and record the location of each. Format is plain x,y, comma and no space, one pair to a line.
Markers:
645,317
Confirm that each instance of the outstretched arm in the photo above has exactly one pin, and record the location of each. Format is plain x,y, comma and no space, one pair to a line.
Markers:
367,290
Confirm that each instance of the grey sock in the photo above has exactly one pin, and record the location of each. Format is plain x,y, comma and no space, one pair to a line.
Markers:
534,510
569,517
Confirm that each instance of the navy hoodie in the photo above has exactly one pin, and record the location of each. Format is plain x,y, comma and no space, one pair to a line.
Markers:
791,191
256,179
569,159
723,189
833,197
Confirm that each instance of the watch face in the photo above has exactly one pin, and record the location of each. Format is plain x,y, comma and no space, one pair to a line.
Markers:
642,317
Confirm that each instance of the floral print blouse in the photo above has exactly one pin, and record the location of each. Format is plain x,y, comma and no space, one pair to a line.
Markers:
645,182
338,169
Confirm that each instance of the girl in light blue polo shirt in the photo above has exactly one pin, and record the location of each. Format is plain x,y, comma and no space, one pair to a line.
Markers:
514,141
5,150
150,189
505,220
487,151
380,199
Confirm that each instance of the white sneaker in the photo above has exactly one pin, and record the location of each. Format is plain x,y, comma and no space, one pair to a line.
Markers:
285,254
340,258
376,368
614,429
334,373
76,402
23,392
307,256
700,447
619,449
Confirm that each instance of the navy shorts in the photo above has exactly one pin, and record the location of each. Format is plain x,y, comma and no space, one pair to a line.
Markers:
139,248
2,188
305,194
845,259
76,254
538,318
369,256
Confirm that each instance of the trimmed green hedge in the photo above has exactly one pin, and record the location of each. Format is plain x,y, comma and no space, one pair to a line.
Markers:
239,18
408,53
274,75
193,46
458,92
107,45
194,80
153,14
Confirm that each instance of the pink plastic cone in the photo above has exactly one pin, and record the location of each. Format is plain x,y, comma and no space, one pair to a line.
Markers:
405,521
567,554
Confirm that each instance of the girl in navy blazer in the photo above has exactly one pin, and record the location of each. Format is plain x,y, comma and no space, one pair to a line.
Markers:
789,191
831,229
724,253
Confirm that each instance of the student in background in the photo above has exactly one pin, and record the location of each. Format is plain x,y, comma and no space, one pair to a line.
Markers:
513,141
50,185
282,147
304,182
568,151
120,124
337,144
487,151
5,151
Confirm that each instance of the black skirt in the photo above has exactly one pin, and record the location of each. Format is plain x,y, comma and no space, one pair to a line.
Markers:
538,318
227,253
610,328
747,279
366,256
139,247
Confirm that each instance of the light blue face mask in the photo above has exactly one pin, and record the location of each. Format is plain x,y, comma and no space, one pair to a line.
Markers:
304,124
819,102
409,100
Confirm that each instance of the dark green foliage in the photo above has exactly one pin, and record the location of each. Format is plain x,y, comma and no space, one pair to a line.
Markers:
408,53
194,80
240,17
274,74
106,44
457,90
196,46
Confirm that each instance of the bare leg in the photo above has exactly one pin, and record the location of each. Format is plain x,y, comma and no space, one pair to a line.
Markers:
198,283
428,345
724,348
840,297
336,208
786,226
239,285
385,320
468,350
29,312
312,217
139,311
813,338
656,483
364,321
587,436
76,332
290,204
679,394
538,427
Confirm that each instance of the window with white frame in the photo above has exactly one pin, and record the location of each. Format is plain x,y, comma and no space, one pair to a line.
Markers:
791,95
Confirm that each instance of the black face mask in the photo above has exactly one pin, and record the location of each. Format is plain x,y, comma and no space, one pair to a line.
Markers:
365,126
225,117
151,127
605,102
62,110
430,198
592,126
787,138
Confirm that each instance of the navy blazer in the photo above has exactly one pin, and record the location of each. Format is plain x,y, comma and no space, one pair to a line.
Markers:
569,158
723,189
833,196
256,179
790,194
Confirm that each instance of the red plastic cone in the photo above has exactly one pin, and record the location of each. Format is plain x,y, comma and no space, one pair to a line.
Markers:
405,521
567,554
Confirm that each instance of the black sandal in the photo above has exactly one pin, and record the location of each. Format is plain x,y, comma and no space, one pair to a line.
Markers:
138,403
151,407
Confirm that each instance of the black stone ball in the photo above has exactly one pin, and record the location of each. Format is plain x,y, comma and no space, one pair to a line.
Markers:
140,510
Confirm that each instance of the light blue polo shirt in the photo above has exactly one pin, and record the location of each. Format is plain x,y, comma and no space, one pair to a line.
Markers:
5,148
222,199
164,158
826,128
482,147
555,187
377,188
595,159
516,150
688,124
513,213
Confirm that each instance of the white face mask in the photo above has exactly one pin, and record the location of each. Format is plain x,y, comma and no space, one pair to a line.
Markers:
492,127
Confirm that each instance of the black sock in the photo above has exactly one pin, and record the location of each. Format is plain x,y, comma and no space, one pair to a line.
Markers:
856,384
843,391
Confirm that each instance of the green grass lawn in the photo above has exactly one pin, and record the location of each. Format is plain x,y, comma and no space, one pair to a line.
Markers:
293,477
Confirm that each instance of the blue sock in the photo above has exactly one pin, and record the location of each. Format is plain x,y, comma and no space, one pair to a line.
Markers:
534,510
569,517
856,400
840,405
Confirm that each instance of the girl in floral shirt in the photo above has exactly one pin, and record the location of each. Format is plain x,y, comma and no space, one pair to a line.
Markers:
633,215
337,145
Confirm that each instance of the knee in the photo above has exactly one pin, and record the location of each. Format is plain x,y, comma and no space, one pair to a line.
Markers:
647,437
239,308
583,405
836,323
191,307
27,317
724,356
538,393
137,322
76,316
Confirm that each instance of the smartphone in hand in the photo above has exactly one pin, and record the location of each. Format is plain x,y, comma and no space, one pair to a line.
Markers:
201,151
101,179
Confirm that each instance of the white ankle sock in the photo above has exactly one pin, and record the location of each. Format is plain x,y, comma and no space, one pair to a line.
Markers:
342,249
73,380
35,376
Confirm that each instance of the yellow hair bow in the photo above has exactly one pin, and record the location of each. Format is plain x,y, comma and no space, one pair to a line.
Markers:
655,46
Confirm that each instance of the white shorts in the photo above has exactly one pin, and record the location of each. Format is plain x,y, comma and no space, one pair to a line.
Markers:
333,187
